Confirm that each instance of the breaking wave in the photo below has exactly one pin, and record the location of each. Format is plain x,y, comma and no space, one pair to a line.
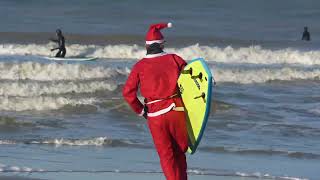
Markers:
36,88
41,103
251,54
34,83
7,168
31,85
249,73
55,71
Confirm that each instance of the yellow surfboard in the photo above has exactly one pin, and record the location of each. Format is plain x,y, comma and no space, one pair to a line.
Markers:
195,83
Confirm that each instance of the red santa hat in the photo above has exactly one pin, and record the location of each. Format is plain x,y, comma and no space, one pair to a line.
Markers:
154,35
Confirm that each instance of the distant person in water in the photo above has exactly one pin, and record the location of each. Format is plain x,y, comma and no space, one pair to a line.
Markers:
61,44
306,34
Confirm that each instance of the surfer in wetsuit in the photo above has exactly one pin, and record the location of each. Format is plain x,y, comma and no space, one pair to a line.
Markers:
61,44
156,75
306,34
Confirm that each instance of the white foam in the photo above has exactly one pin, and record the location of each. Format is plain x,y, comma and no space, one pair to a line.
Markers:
54,71
40,103
241,73
315,111
253,54
26,169
195,171
6,142
239,65
291,178
7,168
260,175
98,141
94,141
33,88
245,75
14,168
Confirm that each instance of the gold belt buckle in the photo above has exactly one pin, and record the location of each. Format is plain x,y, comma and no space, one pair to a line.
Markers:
178,108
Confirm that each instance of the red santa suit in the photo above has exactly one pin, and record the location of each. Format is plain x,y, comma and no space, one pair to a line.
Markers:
157,75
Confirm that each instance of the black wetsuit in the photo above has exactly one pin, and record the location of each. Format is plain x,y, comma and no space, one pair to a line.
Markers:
306,36
61,43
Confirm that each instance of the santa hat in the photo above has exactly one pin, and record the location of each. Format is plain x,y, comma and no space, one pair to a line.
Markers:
154,35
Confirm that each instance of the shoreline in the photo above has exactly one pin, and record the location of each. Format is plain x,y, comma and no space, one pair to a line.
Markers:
121,176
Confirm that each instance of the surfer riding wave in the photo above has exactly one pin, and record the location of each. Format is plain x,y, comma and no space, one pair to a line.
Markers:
61,44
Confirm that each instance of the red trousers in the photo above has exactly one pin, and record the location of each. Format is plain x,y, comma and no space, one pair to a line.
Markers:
169,134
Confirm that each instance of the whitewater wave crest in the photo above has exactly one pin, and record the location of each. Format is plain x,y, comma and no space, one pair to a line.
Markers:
36,88
7,168
41,103
251,54
55,71
249,73
95,141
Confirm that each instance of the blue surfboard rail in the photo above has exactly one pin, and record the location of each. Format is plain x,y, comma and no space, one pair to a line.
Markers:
208,105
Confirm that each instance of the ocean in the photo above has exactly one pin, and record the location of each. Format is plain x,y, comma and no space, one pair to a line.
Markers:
68,120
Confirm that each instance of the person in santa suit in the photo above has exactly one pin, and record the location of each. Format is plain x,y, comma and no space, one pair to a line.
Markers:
156,74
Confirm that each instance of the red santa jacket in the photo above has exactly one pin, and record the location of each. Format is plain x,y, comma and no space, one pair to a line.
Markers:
157,76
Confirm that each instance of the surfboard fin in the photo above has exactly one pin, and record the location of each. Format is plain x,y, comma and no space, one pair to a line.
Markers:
198,76
188,71
203,96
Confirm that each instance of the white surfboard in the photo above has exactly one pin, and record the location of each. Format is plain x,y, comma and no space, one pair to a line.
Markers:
72,58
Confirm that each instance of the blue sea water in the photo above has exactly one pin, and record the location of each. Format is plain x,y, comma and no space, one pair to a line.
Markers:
248,19
67,120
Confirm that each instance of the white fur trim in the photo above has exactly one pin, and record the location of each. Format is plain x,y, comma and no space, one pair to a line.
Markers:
158,100
142,112
155,55
155,41
151,102
162,111
169,25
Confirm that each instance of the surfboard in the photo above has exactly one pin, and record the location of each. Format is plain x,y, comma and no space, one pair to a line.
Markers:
72,58
195,83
